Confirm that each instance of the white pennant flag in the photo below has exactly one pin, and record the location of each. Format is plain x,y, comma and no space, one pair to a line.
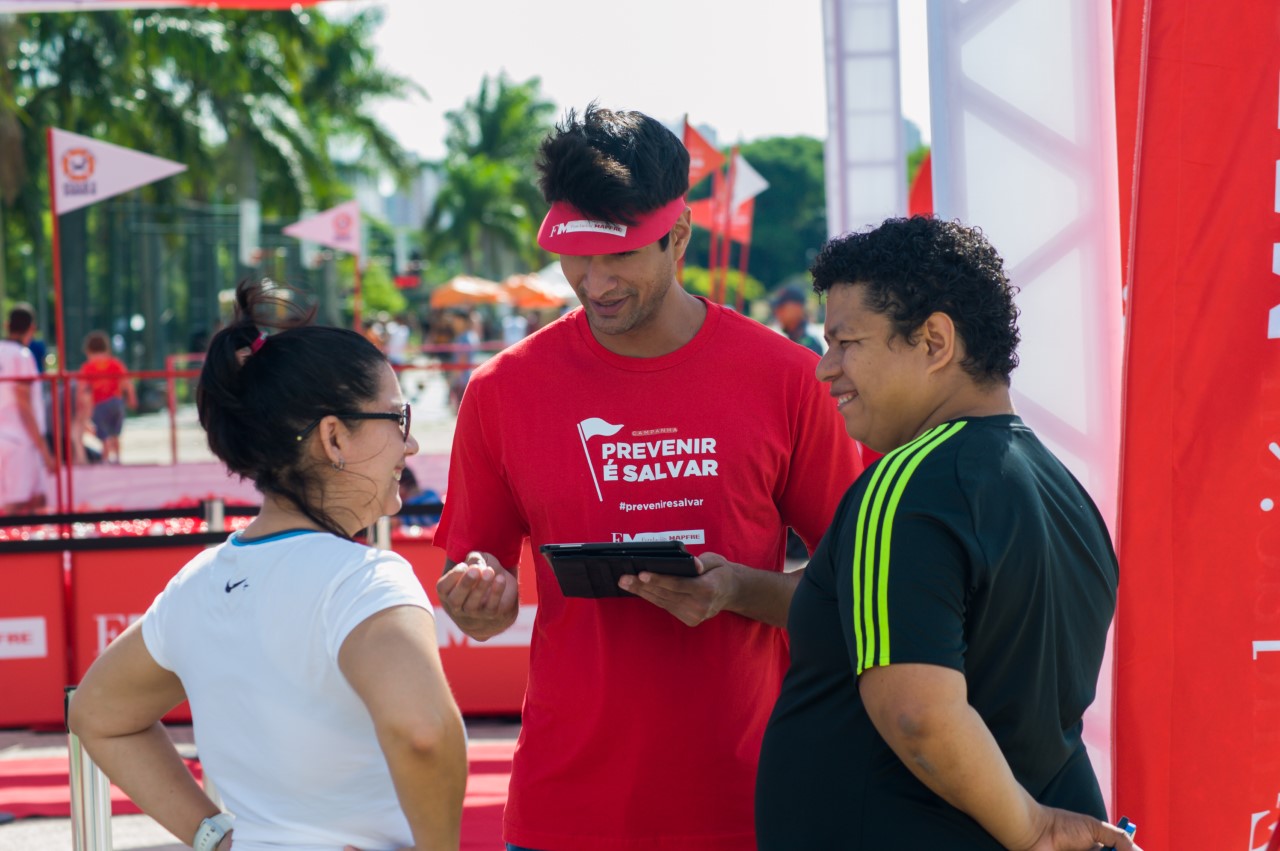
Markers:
337,227
86,171
747,182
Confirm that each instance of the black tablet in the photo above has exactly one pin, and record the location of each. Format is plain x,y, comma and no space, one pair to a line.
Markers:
593,570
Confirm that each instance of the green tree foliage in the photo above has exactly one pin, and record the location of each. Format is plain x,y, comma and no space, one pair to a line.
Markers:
486,216
254,103
791,215
914,159
377,291
697,280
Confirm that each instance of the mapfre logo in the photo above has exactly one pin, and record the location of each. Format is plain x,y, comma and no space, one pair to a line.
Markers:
77,164
588,226
684,536
343,227
23,638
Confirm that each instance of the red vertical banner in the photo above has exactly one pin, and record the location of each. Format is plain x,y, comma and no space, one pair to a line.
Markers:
1198,631
920,196
704,159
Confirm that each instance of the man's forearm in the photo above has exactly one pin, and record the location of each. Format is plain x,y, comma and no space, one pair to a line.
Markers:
762,595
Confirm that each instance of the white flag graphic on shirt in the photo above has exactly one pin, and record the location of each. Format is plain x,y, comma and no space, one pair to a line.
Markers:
595,427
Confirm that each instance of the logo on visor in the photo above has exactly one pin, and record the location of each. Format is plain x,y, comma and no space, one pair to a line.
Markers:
588,226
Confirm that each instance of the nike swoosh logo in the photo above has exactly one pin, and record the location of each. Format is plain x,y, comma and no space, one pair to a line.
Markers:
231,587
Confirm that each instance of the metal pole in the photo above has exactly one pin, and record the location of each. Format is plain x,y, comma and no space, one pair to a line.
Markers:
215,514
379,534
173,409
90,797
60,317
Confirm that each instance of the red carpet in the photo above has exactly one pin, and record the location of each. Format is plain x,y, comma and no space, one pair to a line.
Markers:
39,787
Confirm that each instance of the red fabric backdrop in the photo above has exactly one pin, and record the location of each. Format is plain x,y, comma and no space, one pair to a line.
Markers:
1198,632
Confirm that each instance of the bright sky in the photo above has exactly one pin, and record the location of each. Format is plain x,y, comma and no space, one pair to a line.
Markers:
744,67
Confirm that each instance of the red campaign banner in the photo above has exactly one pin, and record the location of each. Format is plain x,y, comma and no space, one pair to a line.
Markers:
33,640
110,589
487,678
1197,687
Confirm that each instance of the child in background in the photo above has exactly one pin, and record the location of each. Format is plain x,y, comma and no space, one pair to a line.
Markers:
412,494
111,390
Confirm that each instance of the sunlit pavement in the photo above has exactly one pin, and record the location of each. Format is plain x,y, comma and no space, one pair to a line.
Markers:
147,437
136,832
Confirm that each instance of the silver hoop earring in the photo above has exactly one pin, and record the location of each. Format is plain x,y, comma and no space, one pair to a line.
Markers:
339,464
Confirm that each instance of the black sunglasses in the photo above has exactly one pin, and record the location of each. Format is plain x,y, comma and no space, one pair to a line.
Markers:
404,418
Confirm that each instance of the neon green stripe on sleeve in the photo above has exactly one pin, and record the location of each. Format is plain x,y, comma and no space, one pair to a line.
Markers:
886,534
858,559
864,550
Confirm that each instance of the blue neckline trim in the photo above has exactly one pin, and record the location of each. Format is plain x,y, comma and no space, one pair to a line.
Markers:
237,541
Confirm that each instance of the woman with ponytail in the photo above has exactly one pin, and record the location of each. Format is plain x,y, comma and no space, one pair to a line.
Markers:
318,701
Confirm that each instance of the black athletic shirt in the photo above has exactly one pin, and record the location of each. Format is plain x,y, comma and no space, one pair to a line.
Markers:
972,548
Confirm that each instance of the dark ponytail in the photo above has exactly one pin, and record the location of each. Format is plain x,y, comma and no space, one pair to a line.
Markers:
257,393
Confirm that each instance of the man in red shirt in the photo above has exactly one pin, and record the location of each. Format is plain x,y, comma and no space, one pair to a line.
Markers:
648,414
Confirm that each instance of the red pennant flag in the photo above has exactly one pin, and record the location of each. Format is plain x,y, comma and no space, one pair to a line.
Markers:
703,157
920,198
741,221
338,227
709,213
85,170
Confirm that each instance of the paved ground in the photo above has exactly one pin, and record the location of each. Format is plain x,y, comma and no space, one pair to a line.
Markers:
137,832
47,834
147,437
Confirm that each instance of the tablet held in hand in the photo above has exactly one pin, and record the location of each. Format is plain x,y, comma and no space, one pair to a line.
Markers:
593,570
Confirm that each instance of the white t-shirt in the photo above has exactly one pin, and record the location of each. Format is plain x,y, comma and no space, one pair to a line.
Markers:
514,329
16,360
397,341
253,631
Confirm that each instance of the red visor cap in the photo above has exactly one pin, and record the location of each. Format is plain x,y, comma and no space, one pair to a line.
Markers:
565,230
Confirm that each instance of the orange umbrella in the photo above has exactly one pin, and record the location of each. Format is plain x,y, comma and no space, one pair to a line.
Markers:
530,292
464,290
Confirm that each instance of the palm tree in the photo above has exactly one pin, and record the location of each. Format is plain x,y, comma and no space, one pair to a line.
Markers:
488,209
477,215
251,101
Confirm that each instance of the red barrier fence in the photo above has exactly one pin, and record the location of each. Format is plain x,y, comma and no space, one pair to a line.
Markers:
66,599
33,639
487,678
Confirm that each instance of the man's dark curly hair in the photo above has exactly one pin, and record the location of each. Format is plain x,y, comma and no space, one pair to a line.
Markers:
613,166
911,268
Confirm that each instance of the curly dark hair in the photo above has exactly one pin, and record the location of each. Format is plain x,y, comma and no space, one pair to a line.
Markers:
911,268
253,404
613,166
